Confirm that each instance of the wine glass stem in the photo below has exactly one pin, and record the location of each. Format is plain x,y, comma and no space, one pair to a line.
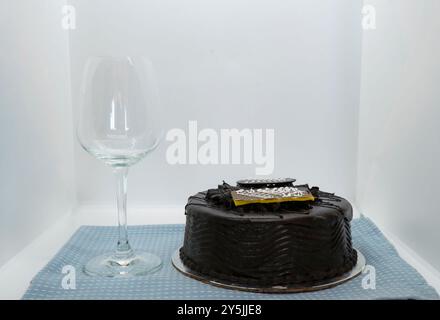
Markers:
123,250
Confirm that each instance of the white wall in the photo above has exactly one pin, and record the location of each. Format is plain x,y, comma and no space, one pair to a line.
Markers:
36,163
289,65
399,137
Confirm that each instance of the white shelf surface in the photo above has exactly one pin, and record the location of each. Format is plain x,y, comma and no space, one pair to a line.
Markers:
17,273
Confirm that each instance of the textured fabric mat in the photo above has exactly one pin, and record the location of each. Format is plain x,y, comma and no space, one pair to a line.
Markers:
395,279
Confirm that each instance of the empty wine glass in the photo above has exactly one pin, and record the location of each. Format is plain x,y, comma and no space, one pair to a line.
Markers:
118,125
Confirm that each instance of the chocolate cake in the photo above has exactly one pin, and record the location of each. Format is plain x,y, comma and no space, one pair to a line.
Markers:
268,244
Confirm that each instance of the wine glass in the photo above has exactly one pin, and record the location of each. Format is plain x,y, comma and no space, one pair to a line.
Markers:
118,124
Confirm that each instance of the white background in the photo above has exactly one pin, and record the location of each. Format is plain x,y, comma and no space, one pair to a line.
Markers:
295,66
399,145
290,66
36,162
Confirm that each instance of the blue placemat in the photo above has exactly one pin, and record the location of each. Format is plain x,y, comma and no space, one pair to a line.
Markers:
394,278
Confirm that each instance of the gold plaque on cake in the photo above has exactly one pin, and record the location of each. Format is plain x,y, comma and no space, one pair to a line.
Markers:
271,195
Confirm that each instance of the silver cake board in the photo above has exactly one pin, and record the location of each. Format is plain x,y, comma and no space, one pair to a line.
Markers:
355,271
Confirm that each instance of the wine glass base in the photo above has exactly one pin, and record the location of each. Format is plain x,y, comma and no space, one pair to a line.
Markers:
107,265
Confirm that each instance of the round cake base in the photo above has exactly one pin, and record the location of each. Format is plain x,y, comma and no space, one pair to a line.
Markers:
355,271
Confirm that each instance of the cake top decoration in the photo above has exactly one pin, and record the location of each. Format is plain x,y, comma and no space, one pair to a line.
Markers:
268,183
271,195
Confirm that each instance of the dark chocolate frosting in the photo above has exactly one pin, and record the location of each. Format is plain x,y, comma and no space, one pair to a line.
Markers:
270,244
